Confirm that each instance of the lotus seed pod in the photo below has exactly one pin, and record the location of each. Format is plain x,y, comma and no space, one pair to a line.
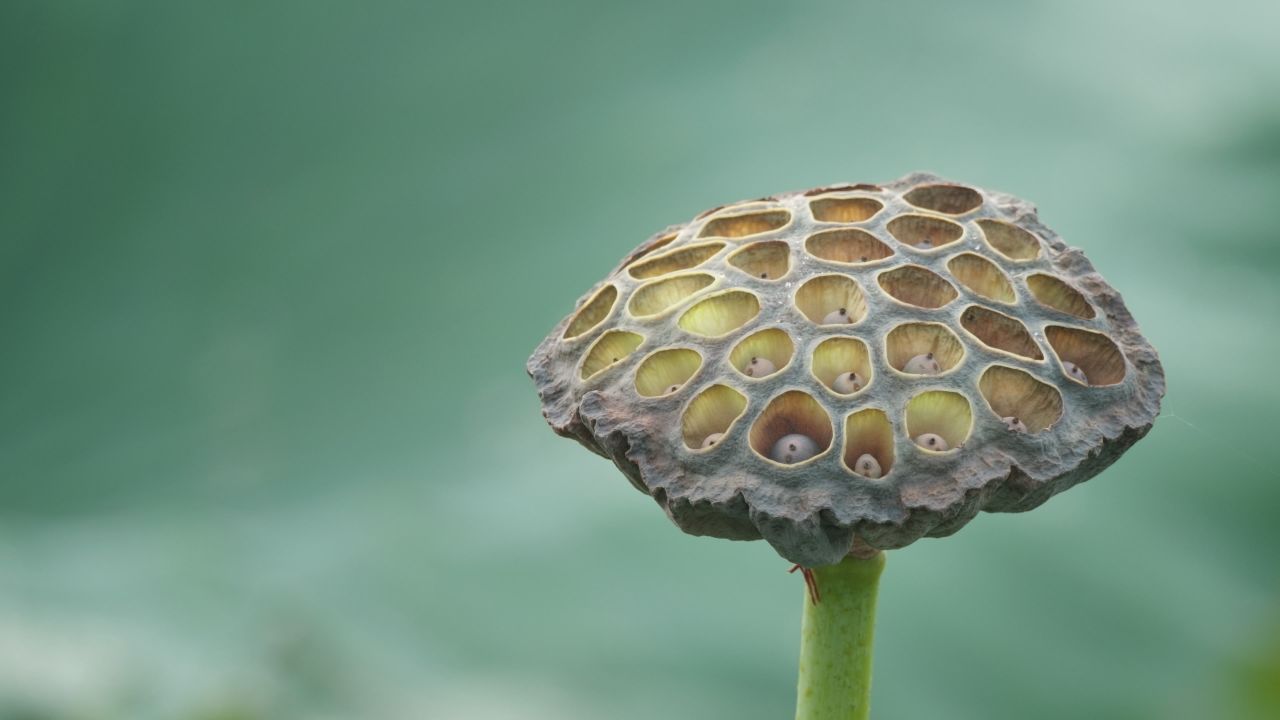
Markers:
793,448
932,441
839,316
922,365
1014,424
759,367
847,383
1003,305
1074,371
867,466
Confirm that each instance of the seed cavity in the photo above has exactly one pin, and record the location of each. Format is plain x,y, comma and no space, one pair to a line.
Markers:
939,415
1000,332
681,259
611,349
659,296
592,313
868,435
767,260
843,364
924,232
721,314
1094,355
791,413
666,371
1054,293
982,277
1009,240
1024,403
849,246
914,285
710,416
761,354
948,199
651,246
844,209
831,300
915,347
745,224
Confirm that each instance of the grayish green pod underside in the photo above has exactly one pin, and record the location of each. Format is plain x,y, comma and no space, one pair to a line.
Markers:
960,315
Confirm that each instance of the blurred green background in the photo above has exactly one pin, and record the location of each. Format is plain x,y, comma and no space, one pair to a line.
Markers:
269,273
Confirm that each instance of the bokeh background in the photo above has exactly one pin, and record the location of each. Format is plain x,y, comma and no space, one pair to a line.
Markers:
269,273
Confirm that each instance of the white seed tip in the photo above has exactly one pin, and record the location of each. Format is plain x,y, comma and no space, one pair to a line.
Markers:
1014,424
930,441
922,365
1075,372
759,367
847,382
672,389
711,440
838,317
793,448
867,467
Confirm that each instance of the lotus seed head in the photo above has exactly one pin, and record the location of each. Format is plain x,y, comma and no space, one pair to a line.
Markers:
1075,372
793,448
1014,424
848,382
867,466
759,367
922,365
837,317
711,440
930,441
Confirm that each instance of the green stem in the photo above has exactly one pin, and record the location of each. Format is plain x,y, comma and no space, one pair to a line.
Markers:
835,641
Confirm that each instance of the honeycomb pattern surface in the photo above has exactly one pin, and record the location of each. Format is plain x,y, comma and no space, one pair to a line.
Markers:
934,347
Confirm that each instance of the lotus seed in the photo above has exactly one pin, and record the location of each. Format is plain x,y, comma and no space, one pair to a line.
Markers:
1075,372
922,365
930,441
711,440
793,448
846,383
759,367
837,317
925,244
1014,424
867,467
